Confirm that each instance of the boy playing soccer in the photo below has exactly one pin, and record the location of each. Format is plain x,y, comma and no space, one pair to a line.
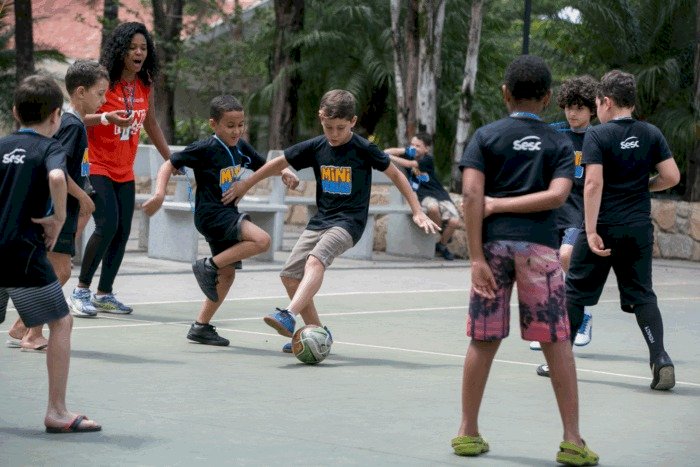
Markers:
516,172
342,163
86,83
432,195
217,162
577,99
31,173
619,155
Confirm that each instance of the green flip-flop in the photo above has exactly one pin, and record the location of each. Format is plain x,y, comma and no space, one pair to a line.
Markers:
572,454
469,445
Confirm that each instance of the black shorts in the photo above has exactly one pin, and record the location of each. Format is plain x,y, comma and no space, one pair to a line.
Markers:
632,248
223,231
65,244
35,305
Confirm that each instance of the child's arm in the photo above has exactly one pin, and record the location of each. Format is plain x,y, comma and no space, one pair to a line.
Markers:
553,197
668,176
156,201
419,217
117,117
483,282
592,194
87,206
289,178
395,155
241,187
52,224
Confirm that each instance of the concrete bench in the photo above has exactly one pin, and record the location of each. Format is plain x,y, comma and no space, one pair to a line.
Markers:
403,237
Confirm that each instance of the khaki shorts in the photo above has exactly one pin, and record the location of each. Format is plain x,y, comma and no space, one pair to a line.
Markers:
324,245
448,210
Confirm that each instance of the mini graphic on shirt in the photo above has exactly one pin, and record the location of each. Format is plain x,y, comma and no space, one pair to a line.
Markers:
85,164
228,176
630,143
578,168
528,143
133,129
16,156
337,180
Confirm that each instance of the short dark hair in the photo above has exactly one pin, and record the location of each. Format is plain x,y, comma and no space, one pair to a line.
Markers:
528,78
579,90
338,103
222,104
619,86
84,73
36,98
425,137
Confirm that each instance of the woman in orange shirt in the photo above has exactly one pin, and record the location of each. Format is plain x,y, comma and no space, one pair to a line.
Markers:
113,138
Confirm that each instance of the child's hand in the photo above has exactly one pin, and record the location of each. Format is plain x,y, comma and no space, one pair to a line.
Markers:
236,192
483,282
425,223
290,179
52,227
87,206
596,244
120,118
488,206
152,205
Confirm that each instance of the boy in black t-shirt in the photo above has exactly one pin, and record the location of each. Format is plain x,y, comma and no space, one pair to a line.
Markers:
619,155
516,172
342,163
30,158
218,162
86,83
420,170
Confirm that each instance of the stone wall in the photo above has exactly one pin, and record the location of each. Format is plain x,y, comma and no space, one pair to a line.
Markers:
676,229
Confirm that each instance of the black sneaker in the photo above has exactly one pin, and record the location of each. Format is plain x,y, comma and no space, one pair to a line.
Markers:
444,251
206,334
207,278
543,370
664,376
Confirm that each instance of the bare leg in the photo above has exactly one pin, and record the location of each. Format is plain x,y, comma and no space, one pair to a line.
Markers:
562,372
477,365
226,276
254,240
305,290
57,364
18,330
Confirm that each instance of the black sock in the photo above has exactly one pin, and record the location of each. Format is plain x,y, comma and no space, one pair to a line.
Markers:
575,313
212,263
652,326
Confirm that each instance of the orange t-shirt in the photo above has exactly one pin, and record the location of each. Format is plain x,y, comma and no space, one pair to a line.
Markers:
111,149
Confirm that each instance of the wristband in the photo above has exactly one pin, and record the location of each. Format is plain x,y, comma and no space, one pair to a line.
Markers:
103,119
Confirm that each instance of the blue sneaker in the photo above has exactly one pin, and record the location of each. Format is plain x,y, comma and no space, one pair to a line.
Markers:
108,303
583,336
80,303
282,321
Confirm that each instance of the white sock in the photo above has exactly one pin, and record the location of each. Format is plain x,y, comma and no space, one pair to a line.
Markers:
291,312
586,311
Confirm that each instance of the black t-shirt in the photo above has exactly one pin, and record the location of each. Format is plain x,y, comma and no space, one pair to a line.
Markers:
343,180
215,169
430,187
629,151
27,158
519,156
571,213
73,137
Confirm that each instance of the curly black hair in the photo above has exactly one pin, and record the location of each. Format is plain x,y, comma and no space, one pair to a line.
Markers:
579,90
117,47
528,78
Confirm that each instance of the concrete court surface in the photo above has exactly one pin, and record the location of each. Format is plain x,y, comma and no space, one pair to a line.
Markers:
389,394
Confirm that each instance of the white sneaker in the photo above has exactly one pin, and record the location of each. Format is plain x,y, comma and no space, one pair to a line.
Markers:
80,305
534,345
583,336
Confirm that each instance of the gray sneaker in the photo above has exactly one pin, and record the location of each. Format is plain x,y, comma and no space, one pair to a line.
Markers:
80,304
108,303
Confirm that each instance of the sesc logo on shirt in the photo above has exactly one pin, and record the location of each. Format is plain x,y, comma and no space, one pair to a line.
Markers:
528,143
630,143
16,156
337,180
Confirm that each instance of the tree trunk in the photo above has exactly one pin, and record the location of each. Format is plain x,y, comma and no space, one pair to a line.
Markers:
289,21
110,19
464,120
24,40
167,21
433,19
692,180
406,50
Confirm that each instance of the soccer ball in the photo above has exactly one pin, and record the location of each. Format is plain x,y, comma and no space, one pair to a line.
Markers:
311,344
